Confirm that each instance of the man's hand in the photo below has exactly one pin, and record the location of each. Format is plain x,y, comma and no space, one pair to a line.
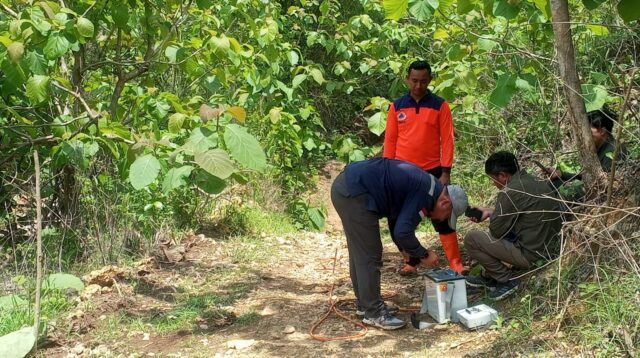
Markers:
486,213
430,260
445,178
553,173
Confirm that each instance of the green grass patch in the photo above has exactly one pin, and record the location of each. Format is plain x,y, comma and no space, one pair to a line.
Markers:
15,315
247,318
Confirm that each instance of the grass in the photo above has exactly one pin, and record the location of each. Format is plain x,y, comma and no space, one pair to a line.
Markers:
15,316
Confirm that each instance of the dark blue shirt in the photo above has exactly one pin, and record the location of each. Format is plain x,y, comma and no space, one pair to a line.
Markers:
399,191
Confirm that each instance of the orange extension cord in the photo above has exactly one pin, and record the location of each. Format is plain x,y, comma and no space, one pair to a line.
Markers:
333,309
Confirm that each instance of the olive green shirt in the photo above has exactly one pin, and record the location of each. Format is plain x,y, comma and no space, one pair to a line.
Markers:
528,213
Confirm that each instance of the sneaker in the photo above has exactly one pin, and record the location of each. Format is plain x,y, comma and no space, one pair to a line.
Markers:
481,281
387,321
504,289
391,309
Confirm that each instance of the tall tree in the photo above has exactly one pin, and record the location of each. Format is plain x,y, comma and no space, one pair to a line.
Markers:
571,84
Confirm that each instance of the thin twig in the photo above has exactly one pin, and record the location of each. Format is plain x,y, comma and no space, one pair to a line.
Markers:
39,256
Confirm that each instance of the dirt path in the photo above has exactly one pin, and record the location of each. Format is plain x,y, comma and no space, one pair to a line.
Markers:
266,308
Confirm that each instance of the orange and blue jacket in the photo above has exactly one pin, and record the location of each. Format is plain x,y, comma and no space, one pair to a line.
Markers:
420,132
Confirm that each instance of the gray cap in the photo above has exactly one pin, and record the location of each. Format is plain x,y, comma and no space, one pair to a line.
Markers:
459,203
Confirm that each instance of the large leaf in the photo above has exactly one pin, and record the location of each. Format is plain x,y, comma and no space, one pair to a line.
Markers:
216,162
63,281
629,10
244,147
317,218
544,6
57,45
38,89
17,344
593,4
85,27
505,89
594,96
464,6
175,178
317,76
201,140
421,10
11,301
210,183
144,171
395,9
120,14
176,121
238,113
377,123
503,8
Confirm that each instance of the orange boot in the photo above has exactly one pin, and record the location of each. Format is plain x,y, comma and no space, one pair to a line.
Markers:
451,250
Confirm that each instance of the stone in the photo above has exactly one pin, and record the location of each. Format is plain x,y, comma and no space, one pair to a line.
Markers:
78,349
289,329
239,344
441,327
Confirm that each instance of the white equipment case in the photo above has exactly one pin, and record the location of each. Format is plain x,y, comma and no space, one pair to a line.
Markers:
477,316
445,294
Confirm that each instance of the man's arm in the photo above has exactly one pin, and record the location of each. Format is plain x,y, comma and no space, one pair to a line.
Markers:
446,142
405,229
391,134
504,215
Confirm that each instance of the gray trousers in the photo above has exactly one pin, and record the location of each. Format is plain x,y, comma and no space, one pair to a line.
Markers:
365,246
491,253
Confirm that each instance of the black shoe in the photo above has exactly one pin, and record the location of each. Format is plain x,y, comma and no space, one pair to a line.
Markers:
504,289
481,281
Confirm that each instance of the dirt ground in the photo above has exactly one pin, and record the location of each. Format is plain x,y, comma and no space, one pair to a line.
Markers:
285,295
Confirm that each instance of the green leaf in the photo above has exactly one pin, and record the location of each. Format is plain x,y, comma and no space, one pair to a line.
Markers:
17,344
204,4
298,80
629,10
377,123
63,281
120,14
36,63
544,6
11,301
144,171
210,183
176,121
595,96
85,27
317,76
14,77
57,45
244,147
598,30
317,218
505,89
175,178
486,44
503,8
293,57
216,162
593,4
464,6
38,89
201,140
421,10
395,9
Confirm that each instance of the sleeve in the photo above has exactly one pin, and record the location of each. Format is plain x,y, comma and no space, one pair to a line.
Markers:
405,229
504,215
446,138
391,134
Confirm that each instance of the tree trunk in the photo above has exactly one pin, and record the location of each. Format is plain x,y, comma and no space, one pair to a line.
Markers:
575,102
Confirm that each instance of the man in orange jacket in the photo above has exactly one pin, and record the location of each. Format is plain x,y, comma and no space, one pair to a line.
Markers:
420,130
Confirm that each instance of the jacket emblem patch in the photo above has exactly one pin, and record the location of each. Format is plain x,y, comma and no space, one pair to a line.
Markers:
402,117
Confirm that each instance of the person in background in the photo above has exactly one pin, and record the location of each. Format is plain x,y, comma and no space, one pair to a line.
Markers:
524,223
369,190
420,130
601,123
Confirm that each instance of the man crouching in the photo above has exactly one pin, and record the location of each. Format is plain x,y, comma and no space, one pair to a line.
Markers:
523,226
369,190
